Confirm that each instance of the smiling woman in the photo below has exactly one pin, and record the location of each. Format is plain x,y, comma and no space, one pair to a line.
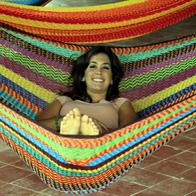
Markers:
93,106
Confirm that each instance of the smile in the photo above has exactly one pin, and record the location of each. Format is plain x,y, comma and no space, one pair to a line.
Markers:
97,80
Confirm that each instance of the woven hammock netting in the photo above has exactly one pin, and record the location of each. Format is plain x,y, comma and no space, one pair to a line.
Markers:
96,24
37,47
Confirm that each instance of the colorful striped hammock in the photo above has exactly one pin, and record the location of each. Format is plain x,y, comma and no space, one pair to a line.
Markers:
159,79
96,24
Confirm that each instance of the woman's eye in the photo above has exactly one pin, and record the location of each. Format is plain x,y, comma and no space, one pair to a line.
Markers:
92,66
107,68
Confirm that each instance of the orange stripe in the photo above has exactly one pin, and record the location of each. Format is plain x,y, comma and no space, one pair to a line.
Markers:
107,15
79,180
110,136
82,142
20,98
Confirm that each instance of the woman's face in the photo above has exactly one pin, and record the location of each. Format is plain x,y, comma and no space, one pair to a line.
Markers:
98,74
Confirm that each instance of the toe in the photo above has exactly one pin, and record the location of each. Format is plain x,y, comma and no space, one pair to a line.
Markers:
84,118
70,112
96,132
76,112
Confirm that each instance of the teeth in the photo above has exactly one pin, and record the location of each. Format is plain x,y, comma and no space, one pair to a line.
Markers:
97,80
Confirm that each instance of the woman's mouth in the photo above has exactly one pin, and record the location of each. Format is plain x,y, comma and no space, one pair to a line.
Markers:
97,80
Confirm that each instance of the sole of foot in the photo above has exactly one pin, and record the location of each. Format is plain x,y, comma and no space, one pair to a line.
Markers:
70,125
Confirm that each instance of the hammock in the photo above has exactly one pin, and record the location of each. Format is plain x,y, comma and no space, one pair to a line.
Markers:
96,24
35,62
159,79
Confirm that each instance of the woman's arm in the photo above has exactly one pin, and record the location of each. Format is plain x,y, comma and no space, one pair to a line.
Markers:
126,114
47,117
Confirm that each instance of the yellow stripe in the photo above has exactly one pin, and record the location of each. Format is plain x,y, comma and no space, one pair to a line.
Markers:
138,105
46,25
147,141
37,90
109,163
150,100
77,9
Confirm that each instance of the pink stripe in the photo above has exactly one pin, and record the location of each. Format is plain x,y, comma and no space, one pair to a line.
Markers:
144,91
34,77
147,69
36,57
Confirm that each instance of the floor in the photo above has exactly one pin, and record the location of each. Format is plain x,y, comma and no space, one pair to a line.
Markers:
170,171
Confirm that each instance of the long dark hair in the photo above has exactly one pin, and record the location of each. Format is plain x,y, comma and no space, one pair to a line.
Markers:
79,66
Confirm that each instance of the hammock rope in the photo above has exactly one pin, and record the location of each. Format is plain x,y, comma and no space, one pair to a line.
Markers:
96,24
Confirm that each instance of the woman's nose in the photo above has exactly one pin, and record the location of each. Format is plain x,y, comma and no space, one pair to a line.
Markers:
98,71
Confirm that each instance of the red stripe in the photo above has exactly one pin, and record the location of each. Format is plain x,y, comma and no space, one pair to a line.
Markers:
102,16
128,31
114,33
76,179
20,98
59,178
146,121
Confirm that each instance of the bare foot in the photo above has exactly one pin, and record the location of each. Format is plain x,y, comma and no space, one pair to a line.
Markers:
70,125
88,127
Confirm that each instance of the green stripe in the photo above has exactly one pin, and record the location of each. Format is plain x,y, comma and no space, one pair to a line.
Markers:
125,58
78,153
158,74
60,76
162,136
46,46
44,70
65,171
16,104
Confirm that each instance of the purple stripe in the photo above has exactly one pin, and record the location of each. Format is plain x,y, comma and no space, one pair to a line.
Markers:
159,65
144,91
34,77
42,59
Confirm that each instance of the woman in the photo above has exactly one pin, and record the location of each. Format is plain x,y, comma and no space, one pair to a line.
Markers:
93,106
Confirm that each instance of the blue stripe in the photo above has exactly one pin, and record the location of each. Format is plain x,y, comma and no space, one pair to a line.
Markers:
18,89
64,173
60,171
154,107
138,140
34,141
22,108
59,50
124,58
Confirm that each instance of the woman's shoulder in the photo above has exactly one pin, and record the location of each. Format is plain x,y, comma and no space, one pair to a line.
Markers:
63,99
118,102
